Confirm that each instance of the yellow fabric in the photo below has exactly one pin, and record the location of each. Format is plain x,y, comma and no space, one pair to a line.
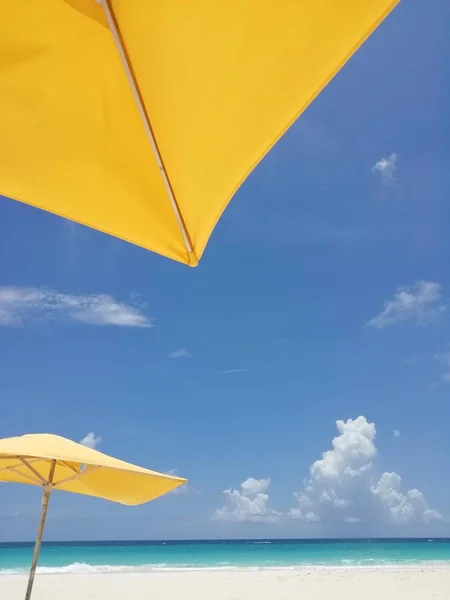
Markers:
96,474
221,82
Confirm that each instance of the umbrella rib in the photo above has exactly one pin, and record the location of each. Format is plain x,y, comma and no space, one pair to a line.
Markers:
66,479
25,475
65,464
77,475
27,463
33,470
114,28
34,460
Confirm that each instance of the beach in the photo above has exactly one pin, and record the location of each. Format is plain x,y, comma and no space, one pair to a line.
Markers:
337,583
390,569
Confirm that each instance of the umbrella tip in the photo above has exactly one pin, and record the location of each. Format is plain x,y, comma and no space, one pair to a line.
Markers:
192,259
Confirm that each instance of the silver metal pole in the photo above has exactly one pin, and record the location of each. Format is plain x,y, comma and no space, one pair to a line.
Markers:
37,545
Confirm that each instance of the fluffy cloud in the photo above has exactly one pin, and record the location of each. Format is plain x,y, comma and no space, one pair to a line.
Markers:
386,167
18,305
402,507
91,440
396,433
249,503
180,353
343,485
419,303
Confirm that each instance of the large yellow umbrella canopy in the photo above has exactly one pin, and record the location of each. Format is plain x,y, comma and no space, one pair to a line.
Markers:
141,118
54,462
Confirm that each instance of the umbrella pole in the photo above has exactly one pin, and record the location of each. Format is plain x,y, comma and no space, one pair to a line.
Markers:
37,545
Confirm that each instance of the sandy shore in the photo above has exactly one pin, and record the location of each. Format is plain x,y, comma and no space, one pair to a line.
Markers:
322,584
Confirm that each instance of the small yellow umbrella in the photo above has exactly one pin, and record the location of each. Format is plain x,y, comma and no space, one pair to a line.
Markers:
54,462
141,118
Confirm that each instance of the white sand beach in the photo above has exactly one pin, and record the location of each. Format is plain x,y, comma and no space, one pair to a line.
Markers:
406,583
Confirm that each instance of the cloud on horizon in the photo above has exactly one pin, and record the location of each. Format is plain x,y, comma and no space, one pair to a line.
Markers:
20,304
343,487
249,503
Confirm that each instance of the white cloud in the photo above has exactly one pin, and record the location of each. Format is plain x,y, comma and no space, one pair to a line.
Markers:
402,507
444,359
386,167
343,485
419,303
18,305
91,440
232,371
249,503
180,353
396,433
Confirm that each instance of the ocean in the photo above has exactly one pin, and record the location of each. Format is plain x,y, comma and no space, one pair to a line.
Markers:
139,556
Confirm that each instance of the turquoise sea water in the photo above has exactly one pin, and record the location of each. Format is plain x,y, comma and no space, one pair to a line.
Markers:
102,557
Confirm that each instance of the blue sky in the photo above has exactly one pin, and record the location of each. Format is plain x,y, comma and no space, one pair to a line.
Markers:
323,295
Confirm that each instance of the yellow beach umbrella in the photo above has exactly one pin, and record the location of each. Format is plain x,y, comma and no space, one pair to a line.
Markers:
141,118
56,463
